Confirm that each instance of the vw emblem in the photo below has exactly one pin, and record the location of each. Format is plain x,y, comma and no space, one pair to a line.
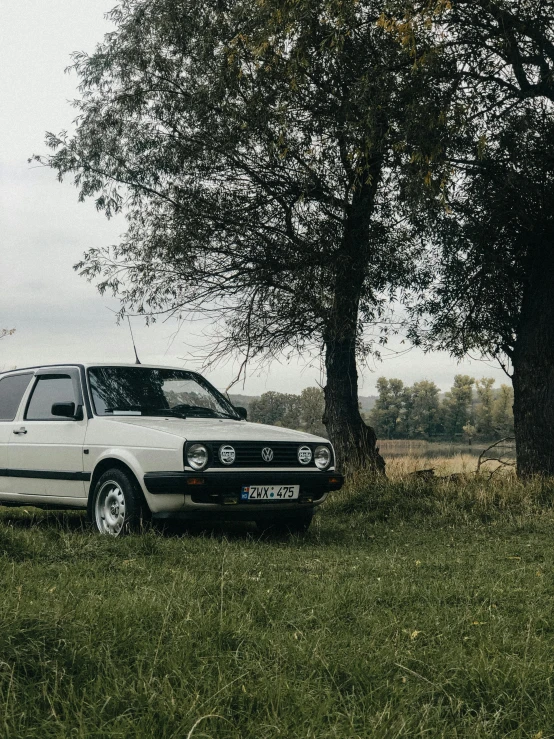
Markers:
267,454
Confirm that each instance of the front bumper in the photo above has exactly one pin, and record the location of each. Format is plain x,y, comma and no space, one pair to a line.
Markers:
225,487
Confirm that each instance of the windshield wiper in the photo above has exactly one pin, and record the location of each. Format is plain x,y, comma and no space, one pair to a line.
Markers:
193,410
181,411
163,412
201,410
134,410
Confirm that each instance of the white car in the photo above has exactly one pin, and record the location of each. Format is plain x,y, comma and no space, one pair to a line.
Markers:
129,442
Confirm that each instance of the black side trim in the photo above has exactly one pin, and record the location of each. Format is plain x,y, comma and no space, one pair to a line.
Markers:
86,396
159,483
47,474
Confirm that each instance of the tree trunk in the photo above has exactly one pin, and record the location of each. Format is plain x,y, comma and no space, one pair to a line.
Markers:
354,441
533,367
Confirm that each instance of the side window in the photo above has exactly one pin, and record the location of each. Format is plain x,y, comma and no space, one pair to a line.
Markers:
49,390
12,389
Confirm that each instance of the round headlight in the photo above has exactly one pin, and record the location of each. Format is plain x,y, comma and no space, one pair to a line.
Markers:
304,455
197,456
322,457
227,454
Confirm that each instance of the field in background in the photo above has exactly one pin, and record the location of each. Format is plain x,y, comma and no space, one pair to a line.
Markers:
404,457
430,449
411,609
401,466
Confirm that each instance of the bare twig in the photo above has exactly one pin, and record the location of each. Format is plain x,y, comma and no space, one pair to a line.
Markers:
483,458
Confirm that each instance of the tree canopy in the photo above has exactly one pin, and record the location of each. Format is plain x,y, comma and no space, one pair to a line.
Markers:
255,148
490,236
237,137
279,163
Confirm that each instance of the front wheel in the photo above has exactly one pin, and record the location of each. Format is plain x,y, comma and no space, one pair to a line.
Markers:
118,506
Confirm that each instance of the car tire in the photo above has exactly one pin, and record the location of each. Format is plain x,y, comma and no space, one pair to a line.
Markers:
283,525
117,506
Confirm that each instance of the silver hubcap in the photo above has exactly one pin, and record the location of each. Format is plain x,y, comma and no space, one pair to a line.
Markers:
110,508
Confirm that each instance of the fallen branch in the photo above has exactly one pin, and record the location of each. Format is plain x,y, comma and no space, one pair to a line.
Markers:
428,474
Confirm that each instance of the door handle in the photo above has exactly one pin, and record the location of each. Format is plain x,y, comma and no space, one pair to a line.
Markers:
22,430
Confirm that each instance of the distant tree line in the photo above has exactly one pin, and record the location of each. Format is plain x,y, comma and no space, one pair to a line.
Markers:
418,411
303,412
471,409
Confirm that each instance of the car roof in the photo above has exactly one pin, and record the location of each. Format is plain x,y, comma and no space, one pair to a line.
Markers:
93,364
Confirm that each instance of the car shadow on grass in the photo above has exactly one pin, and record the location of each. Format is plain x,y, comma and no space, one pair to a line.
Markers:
229,530
240,530
216,529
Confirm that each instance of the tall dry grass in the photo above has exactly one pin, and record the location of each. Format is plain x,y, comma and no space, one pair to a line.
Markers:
403,466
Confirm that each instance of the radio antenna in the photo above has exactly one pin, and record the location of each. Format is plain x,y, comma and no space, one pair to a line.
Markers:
133,340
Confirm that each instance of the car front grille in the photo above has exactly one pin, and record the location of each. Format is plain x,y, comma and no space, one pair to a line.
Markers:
249,454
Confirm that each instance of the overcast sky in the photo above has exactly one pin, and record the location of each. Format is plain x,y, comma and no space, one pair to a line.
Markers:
57,315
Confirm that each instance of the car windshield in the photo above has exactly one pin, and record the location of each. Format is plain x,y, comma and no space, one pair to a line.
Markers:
144,391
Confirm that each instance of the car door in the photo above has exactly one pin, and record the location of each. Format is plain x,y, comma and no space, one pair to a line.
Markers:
45,451
12,390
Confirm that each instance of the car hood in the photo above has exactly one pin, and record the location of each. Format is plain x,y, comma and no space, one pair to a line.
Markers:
217,429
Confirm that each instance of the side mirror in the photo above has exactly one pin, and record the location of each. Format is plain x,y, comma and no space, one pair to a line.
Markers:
243,413
65,410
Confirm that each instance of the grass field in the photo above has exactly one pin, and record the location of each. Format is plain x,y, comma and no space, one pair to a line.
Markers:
410,609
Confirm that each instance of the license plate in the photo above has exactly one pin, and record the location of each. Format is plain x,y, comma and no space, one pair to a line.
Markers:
270,492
